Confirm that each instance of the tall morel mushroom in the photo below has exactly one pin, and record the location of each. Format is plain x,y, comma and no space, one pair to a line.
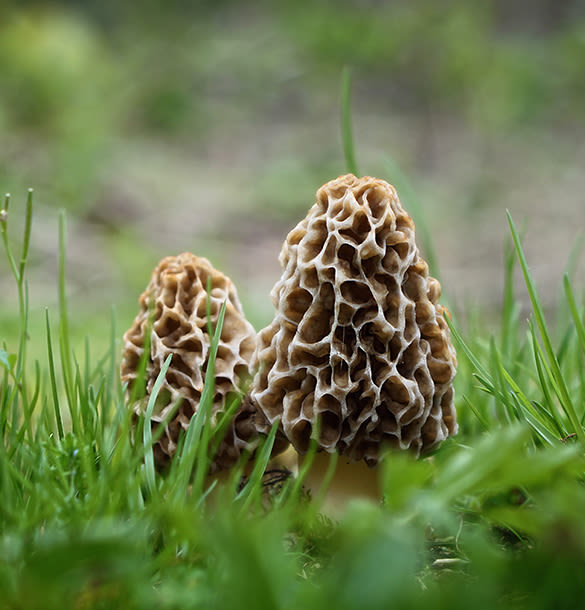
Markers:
174,310
359,341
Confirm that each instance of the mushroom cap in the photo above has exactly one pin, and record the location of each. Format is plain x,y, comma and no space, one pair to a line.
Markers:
359,341
173,309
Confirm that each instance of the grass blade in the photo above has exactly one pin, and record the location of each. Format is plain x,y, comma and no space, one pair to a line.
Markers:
346,122
53,378
64,337
27,231
417,211
201,429
557,375
253,488
149,470
510,306
545,379
574,311
4,231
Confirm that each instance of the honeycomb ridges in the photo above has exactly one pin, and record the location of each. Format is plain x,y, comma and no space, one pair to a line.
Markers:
358,339
174,315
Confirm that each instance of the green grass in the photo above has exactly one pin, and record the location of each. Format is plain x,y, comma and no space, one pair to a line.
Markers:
492,519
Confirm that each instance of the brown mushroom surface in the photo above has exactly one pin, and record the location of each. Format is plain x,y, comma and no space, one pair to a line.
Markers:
359,340
173,309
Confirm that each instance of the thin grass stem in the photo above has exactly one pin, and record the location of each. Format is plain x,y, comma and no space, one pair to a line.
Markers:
64,337
346,122
53,378
575,315
27,232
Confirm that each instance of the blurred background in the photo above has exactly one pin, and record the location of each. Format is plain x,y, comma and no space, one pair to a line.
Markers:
208,126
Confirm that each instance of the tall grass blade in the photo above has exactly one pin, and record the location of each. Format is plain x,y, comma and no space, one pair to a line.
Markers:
223,423
575,315
484,422
27,231
417,210
23,297
327,478
199,433
564,395
113,378
509,306
563,307
53,378
546,380
64,337
530,413
482,374
346,122
4,231
307,462
253,488
149,470
500,385
37,387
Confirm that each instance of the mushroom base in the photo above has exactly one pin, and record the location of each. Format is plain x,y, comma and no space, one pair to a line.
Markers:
278,469
350,480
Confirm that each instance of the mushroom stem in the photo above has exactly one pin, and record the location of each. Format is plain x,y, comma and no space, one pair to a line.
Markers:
350,480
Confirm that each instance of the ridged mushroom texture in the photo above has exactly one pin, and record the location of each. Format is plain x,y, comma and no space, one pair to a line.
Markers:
174,312
359,340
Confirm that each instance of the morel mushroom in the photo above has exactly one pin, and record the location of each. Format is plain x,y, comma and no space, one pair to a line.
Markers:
173,309
359,342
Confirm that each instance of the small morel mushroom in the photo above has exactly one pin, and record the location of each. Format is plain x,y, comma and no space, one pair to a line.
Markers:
359,342
174,308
